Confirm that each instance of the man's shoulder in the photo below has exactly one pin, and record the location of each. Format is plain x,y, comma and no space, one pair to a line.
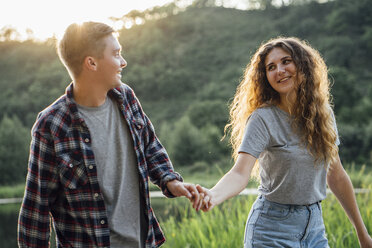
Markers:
53,117
127,95
124,90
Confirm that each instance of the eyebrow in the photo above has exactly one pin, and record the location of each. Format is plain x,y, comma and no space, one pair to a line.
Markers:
285,57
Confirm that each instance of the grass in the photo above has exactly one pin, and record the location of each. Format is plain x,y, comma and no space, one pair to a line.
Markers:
15,191
224,225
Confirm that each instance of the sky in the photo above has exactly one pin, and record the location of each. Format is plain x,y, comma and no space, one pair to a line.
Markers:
47,18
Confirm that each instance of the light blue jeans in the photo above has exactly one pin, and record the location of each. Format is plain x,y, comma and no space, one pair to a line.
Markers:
272,225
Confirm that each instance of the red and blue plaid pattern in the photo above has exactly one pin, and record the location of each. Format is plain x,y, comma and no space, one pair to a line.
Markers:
62,182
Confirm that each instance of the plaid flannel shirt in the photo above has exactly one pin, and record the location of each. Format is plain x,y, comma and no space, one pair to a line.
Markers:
62,176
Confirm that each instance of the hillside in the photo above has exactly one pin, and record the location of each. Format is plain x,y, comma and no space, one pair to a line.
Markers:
185,67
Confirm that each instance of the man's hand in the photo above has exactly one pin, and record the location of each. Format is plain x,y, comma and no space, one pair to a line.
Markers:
188,190
206,201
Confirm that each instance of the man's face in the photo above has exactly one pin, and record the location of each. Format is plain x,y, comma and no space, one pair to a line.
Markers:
110,66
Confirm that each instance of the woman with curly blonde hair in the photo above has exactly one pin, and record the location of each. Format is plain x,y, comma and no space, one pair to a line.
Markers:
281,119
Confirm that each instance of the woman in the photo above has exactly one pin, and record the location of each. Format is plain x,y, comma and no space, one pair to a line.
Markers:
281,117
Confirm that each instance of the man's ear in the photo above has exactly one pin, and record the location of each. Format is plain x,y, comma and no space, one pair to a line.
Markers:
90,63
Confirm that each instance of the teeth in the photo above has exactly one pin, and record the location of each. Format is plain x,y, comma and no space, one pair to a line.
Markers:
283,79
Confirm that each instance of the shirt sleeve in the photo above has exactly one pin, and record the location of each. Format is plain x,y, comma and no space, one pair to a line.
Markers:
34,218
256,136
159,165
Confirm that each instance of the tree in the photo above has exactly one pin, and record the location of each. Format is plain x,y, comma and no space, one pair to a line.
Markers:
8,33
186,144
14,143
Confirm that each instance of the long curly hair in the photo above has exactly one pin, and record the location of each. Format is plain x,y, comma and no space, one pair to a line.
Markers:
311,112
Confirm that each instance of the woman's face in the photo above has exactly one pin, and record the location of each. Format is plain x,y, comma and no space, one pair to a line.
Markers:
281,72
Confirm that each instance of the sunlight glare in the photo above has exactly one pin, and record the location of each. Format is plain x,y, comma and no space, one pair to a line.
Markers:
43,19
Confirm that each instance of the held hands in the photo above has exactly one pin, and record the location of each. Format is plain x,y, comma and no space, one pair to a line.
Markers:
178,188
205,201
200,197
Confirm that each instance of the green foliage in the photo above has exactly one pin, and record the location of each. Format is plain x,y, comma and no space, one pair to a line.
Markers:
204,113
186,145
185,65
196,58
14,143
14,191
224,225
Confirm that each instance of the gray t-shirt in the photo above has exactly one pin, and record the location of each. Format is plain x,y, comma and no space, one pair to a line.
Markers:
117,172
288,172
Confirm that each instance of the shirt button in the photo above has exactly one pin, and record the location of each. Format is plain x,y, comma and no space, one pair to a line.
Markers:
103,222
70,165
91,167
86,140
139,126
96,195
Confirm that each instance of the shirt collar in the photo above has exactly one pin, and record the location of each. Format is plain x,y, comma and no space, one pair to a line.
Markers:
116,93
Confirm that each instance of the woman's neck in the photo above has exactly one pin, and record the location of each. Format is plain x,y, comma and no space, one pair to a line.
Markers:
286,103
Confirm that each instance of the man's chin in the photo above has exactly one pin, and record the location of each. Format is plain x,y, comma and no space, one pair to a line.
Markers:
117,84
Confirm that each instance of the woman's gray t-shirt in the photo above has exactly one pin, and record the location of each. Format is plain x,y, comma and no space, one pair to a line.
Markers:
288,172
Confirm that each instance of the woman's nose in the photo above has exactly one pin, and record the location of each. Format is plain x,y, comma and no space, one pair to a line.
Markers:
280,69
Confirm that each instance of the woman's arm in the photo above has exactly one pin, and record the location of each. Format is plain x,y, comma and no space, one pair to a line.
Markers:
340,184
231,184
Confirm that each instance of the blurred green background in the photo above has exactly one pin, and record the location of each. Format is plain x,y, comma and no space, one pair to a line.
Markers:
184,65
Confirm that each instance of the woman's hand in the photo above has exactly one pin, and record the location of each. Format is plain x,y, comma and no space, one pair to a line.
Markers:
205,201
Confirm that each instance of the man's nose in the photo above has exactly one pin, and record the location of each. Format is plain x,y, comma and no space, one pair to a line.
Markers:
123,63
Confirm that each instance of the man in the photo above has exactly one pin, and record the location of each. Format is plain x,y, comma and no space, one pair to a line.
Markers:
92,153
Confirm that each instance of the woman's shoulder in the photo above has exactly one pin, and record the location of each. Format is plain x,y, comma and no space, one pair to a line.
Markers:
264,110
269,114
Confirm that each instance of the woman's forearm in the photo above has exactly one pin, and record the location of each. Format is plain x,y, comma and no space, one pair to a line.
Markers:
233,182
342,187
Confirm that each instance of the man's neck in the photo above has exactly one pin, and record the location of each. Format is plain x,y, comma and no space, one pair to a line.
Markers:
88,94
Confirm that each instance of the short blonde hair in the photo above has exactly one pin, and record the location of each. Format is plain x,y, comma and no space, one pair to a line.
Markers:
80,41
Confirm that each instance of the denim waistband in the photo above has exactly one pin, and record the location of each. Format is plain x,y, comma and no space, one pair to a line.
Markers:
290,206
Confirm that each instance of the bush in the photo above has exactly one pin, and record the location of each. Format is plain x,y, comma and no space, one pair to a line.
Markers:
14,143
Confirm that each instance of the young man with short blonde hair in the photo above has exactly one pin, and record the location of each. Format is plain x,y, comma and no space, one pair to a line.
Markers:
92,154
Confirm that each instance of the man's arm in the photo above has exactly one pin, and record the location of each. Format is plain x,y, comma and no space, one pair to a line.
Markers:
160,168
340,184
34,219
